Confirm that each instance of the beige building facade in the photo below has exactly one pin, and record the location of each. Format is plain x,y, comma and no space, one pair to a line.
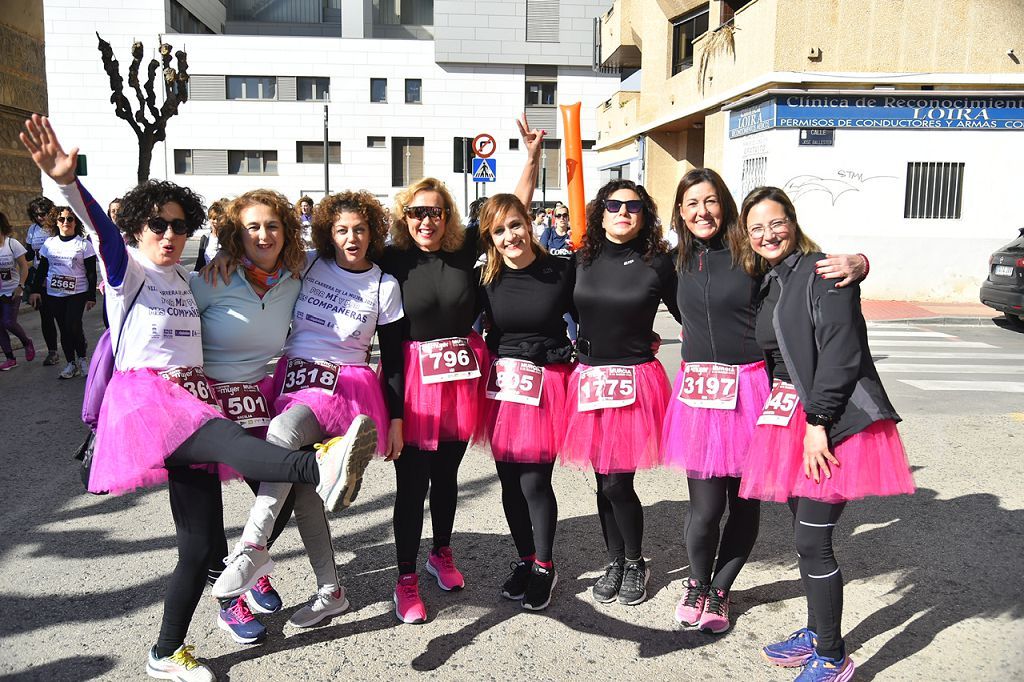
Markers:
891,124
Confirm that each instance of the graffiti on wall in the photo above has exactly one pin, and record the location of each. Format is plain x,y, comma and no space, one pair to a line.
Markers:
840,183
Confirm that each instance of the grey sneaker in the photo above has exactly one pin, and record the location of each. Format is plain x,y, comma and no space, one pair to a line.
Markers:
342,461
634,583
607,586
83,366
326,602
70,371
242,569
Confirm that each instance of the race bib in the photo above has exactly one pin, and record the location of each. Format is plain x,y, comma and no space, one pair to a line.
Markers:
63,283
300,374
607,386
5,275
515,381
193,380
243,404
709,385
781,404
447,360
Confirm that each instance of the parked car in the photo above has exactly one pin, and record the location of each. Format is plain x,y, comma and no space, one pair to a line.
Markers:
1004,287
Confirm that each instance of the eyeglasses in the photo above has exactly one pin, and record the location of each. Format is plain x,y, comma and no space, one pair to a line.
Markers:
65,219
777,226
564,215
633,206
421,212
158,225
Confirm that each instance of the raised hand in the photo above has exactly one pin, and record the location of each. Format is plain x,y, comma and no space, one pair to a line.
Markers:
47,153
532,138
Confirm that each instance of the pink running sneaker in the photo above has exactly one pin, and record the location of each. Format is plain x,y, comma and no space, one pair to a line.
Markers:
30,352
441,565
8,365
691,606
408,606
715,618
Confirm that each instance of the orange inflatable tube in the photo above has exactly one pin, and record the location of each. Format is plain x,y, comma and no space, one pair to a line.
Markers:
574,172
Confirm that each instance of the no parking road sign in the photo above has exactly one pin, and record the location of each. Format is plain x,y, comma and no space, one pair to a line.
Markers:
484,170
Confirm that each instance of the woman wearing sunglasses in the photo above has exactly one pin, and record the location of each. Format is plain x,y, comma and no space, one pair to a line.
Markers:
827,433
36,236
67,275
13,271
719,391
556,240
617,394
159,420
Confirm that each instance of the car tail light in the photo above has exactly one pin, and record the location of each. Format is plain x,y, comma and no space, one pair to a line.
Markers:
1020,262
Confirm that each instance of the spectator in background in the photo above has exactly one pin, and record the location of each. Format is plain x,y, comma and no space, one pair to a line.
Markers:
113,208
540,222
13,272
38,209
304,207
556,240
209,244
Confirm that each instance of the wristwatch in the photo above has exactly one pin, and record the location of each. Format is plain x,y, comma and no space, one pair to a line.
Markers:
820,420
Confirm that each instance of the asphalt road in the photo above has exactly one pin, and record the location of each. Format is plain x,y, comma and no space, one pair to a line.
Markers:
933,589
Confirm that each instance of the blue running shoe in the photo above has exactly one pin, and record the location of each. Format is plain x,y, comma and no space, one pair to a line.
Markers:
824,669
792,652
263,598
237,620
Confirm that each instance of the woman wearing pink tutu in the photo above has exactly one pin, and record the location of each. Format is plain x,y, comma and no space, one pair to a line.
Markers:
827,433
719,392
159,420
617,395
525,293
324,387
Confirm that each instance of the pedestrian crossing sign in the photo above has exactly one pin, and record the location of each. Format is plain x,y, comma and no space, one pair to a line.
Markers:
484,170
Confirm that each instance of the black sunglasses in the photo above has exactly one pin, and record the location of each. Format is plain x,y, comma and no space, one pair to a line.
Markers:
561,215
615,205
421,212
66,219
158,225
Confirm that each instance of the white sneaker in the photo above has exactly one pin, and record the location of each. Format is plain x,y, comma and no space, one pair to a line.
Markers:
83,366
242,569
180,666
70,370
326,602
342,461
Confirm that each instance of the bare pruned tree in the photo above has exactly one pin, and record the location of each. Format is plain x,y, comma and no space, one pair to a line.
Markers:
153,129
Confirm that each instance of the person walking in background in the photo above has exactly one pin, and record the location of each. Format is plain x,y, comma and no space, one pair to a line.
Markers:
304,209
556,240
13,273
38,233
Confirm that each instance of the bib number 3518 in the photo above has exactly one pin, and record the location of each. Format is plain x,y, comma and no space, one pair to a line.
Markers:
447,360
300,374
515,381
606,386
780,406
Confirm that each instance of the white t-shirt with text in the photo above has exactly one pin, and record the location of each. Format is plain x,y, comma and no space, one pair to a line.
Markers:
10,277
66,275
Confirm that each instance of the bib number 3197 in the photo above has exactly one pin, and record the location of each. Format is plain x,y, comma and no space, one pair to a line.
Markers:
300,374
515,381
606,386
447,360
778,409
243,404
193,380
709,385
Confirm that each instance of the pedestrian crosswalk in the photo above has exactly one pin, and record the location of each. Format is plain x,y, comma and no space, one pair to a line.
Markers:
931,360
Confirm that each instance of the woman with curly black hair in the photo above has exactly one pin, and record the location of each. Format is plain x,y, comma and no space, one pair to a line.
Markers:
37,234
618,392
160,420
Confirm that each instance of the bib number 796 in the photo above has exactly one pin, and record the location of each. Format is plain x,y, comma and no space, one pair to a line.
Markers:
447,360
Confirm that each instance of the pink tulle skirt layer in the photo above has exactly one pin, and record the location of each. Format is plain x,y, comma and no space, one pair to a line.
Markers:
357,391
872,462
449,411
528,434
619,439
267,390
706,443
144,419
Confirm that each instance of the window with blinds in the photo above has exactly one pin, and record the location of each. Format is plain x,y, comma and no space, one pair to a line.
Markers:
934,190
753,173
551,165
313,152
542,21
406,160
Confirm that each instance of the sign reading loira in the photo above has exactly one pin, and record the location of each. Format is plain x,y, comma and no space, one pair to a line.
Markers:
923,110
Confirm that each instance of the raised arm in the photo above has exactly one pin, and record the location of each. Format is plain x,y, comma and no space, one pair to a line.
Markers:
533,140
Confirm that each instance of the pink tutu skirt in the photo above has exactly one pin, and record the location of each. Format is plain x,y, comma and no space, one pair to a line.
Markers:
706,443
528,434
449,411
620,439
143,420
356,392
266,386
872,462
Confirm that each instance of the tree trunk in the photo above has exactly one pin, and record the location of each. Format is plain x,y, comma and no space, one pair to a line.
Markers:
146,143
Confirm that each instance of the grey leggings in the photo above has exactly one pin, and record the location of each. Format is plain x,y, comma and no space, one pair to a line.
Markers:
294,428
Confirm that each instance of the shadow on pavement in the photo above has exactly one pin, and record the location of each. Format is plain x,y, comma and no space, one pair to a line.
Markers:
72,669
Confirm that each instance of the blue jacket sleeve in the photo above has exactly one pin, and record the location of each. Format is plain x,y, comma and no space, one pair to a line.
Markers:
112,250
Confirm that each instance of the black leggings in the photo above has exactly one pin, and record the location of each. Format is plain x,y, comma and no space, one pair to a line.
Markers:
813,523
46,323
621,514
416,471
530,506
708,498
68,312
197,509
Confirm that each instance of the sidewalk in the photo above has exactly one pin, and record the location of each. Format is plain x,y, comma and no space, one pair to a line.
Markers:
920,311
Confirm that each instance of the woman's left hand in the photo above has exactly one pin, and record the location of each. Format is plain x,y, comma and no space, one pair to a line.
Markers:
89,305
395,441
850,268
816,453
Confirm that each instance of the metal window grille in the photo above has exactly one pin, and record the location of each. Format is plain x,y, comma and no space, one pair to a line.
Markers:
934,190
406,160
542,21
753,173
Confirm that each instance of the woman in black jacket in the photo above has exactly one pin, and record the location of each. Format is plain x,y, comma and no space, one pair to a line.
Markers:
827,433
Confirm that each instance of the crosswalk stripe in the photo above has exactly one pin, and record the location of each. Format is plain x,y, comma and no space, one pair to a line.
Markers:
944,355
872,333
948,369
988,386
930,344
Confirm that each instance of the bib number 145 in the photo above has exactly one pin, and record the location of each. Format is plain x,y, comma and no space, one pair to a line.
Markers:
781,404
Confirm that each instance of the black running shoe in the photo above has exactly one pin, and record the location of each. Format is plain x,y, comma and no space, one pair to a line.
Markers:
538,590
634,583
514,586
607,586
